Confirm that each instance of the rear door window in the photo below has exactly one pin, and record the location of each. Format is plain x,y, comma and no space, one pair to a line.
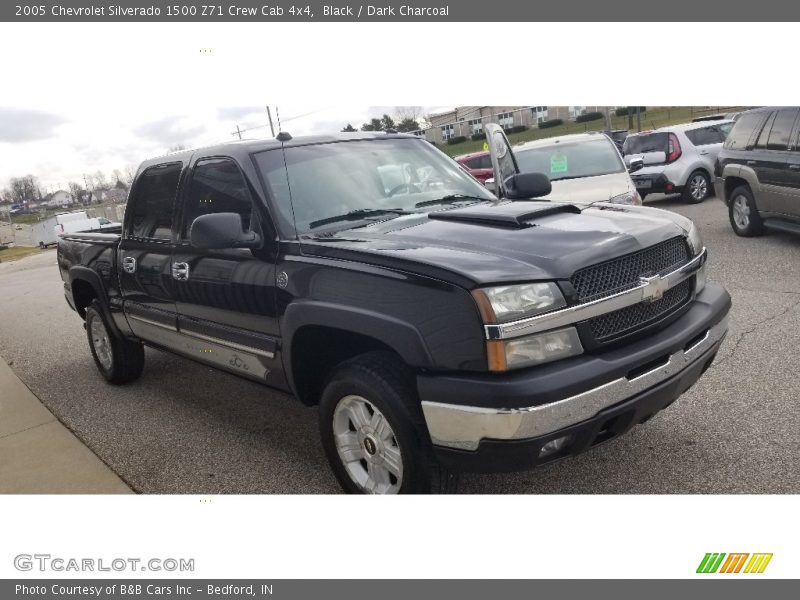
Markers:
781,130
646,142
705,136
153,200
743,130
761,142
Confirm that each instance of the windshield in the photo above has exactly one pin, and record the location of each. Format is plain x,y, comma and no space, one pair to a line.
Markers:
569,161
646,142
361,181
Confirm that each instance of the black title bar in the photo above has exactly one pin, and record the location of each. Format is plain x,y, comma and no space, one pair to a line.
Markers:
414,11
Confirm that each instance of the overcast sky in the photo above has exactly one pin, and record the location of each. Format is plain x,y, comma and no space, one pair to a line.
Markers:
103,97
61,143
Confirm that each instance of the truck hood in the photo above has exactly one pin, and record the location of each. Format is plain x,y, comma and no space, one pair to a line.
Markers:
502,242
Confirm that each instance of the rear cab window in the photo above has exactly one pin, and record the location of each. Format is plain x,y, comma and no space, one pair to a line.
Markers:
153,202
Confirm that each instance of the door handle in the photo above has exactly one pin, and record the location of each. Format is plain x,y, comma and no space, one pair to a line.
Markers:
129,264
180,271
795,167
703,152
751,162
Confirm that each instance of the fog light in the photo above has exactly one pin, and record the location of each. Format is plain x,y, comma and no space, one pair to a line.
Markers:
554,446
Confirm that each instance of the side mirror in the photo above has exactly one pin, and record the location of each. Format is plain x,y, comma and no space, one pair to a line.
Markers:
523,186
635,164
217,231
490,185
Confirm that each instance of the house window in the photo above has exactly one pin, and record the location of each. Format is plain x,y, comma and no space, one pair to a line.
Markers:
476,125
539,113
576,111
505,120
448,131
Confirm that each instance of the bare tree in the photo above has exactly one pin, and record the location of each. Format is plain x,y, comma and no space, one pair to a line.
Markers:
25,188
99,180
77,191
129,174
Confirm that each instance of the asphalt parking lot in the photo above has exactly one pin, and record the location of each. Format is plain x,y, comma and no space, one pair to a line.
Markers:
185,428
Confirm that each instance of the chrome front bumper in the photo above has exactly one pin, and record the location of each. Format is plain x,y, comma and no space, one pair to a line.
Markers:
463,427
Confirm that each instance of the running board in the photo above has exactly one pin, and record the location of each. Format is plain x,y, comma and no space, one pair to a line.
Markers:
782,225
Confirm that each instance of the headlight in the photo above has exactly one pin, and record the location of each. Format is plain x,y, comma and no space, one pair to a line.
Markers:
694,240
511,302
533,349
627,198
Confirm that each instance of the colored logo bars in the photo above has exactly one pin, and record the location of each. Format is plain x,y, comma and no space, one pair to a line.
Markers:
713,563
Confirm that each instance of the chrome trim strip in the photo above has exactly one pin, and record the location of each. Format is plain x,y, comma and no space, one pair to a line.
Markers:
463,427
153,323
227,344
206,338
588,310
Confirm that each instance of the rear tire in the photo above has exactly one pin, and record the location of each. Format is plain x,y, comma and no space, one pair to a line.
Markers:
698,187
373,431
118,360
743,213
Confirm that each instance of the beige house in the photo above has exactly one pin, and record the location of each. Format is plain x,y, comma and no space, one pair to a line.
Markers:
469,120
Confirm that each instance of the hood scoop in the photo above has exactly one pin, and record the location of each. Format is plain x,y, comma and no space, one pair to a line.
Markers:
511,215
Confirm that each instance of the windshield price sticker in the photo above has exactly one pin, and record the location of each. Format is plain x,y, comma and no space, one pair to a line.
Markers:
558,163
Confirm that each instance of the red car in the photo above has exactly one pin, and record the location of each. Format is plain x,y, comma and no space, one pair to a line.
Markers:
479,165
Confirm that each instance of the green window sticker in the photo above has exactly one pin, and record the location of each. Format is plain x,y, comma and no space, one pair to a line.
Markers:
558,163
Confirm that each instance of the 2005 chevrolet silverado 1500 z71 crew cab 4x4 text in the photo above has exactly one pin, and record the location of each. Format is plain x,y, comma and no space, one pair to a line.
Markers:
438,328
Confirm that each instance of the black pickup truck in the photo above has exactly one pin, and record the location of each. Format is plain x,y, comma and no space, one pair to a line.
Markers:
438,328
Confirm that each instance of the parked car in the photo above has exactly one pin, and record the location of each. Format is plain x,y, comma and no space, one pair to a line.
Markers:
618,136
731,116
758,171
678,159
437,327
478,164
582,168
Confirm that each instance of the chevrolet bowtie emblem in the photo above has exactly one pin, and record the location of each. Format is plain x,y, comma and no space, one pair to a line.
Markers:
654,288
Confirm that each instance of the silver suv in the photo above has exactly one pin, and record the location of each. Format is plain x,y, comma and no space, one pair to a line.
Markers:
678,159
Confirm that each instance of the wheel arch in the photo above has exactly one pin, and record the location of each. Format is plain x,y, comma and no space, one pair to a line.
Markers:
318,336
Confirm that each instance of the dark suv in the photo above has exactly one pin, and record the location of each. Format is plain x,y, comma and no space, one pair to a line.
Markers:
758,171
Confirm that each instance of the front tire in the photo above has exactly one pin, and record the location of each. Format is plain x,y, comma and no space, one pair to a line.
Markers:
698,187
743,213
373,431
118,360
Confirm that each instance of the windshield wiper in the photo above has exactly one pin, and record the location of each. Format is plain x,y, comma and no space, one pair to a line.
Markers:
357,215
451,199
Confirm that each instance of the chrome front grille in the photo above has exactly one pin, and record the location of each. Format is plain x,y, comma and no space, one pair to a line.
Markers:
625,273
631,318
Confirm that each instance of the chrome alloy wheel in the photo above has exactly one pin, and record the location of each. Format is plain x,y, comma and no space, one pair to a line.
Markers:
367,446
698,187
741,212
101,344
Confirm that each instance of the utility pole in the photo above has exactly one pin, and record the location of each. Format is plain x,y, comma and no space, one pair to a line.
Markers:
238,132
271,126
639,119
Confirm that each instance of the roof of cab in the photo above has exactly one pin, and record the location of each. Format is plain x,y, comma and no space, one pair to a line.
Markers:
250,146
